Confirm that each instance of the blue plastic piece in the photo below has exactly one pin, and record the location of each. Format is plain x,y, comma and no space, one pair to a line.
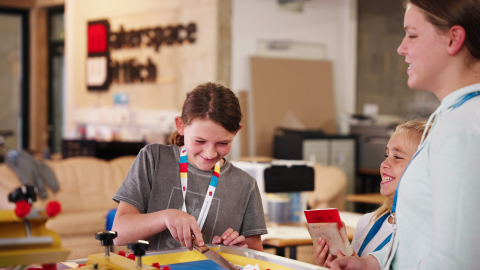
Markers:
206,264
110,218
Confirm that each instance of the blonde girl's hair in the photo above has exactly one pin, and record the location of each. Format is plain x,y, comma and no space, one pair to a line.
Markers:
210,101
412,129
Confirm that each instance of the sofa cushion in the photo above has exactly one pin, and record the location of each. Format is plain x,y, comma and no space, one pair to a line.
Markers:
78,223
86,183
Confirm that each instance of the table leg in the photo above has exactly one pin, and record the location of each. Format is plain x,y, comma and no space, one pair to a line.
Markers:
280,251
293,252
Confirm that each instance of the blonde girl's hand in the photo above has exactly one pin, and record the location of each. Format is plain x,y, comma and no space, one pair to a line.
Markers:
320,253
181,225
230,238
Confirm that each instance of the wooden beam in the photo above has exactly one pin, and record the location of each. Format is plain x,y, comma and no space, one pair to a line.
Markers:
38,79
49,3
224,41
22,4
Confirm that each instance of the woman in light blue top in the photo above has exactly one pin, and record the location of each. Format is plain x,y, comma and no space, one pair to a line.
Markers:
436,205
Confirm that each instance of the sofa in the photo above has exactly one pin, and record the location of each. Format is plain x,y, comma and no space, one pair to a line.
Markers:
87,185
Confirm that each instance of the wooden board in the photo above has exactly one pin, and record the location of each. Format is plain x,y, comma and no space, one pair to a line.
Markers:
373,198
281,86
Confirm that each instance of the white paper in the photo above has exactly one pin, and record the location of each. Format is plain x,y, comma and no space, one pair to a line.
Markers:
251,267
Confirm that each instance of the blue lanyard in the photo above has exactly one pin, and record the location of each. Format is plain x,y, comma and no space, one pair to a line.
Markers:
458,104
465,98
373,231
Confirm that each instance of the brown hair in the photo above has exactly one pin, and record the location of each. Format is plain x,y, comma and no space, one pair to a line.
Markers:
411,128
444,14
210,101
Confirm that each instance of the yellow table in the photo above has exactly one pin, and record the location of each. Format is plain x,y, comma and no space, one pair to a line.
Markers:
184,259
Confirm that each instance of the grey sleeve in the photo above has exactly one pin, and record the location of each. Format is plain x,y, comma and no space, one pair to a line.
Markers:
135,189
254,218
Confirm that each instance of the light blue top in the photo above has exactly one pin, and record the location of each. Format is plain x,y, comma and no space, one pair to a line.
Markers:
438,208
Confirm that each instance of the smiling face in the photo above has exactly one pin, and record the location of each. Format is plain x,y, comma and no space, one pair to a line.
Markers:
399,152
206,142
425,51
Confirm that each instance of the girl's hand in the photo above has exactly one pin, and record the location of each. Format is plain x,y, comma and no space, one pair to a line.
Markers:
230,238
321,255
181,225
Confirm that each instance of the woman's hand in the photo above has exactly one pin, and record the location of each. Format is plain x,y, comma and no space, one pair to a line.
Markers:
339,255
181,225
356,263
230,238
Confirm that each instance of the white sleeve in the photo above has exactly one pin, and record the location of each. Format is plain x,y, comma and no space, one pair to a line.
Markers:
360,232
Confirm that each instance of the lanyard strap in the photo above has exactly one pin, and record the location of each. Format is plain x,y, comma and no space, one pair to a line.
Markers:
373,231
210,191
458,104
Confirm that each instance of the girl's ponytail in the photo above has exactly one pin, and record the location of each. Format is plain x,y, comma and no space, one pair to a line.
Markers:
175,139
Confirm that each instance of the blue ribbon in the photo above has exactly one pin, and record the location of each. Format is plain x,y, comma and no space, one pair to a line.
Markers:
373,231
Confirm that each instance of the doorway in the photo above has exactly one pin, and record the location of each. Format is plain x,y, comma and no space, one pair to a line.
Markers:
14,80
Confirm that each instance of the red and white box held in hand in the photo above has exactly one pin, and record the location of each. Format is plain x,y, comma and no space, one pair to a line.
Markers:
326,223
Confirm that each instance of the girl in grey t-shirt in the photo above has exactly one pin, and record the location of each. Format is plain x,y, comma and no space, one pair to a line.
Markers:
169,188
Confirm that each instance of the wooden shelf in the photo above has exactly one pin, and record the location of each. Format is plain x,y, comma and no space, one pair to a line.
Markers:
374,198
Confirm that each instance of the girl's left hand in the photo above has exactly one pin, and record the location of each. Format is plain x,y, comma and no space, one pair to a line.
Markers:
230,238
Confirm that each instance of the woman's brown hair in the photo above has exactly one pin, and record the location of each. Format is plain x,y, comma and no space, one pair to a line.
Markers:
412,129
210,101
444,14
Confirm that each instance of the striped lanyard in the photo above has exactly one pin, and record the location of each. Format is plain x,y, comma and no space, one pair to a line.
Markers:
210,191
373,231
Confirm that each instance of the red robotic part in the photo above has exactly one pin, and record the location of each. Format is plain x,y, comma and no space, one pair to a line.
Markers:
121,253
81,264
131,256
156,265
22,208
53,208
166,267
52,266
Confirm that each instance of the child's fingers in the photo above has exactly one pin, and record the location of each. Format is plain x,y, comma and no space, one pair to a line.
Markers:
240,239
227,233
329,260
187,237
320,252
216,240
319,246
234,235
183,244
340,254
196,231
245,246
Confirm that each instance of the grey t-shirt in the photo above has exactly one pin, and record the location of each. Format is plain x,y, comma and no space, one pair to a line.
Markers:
153,184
